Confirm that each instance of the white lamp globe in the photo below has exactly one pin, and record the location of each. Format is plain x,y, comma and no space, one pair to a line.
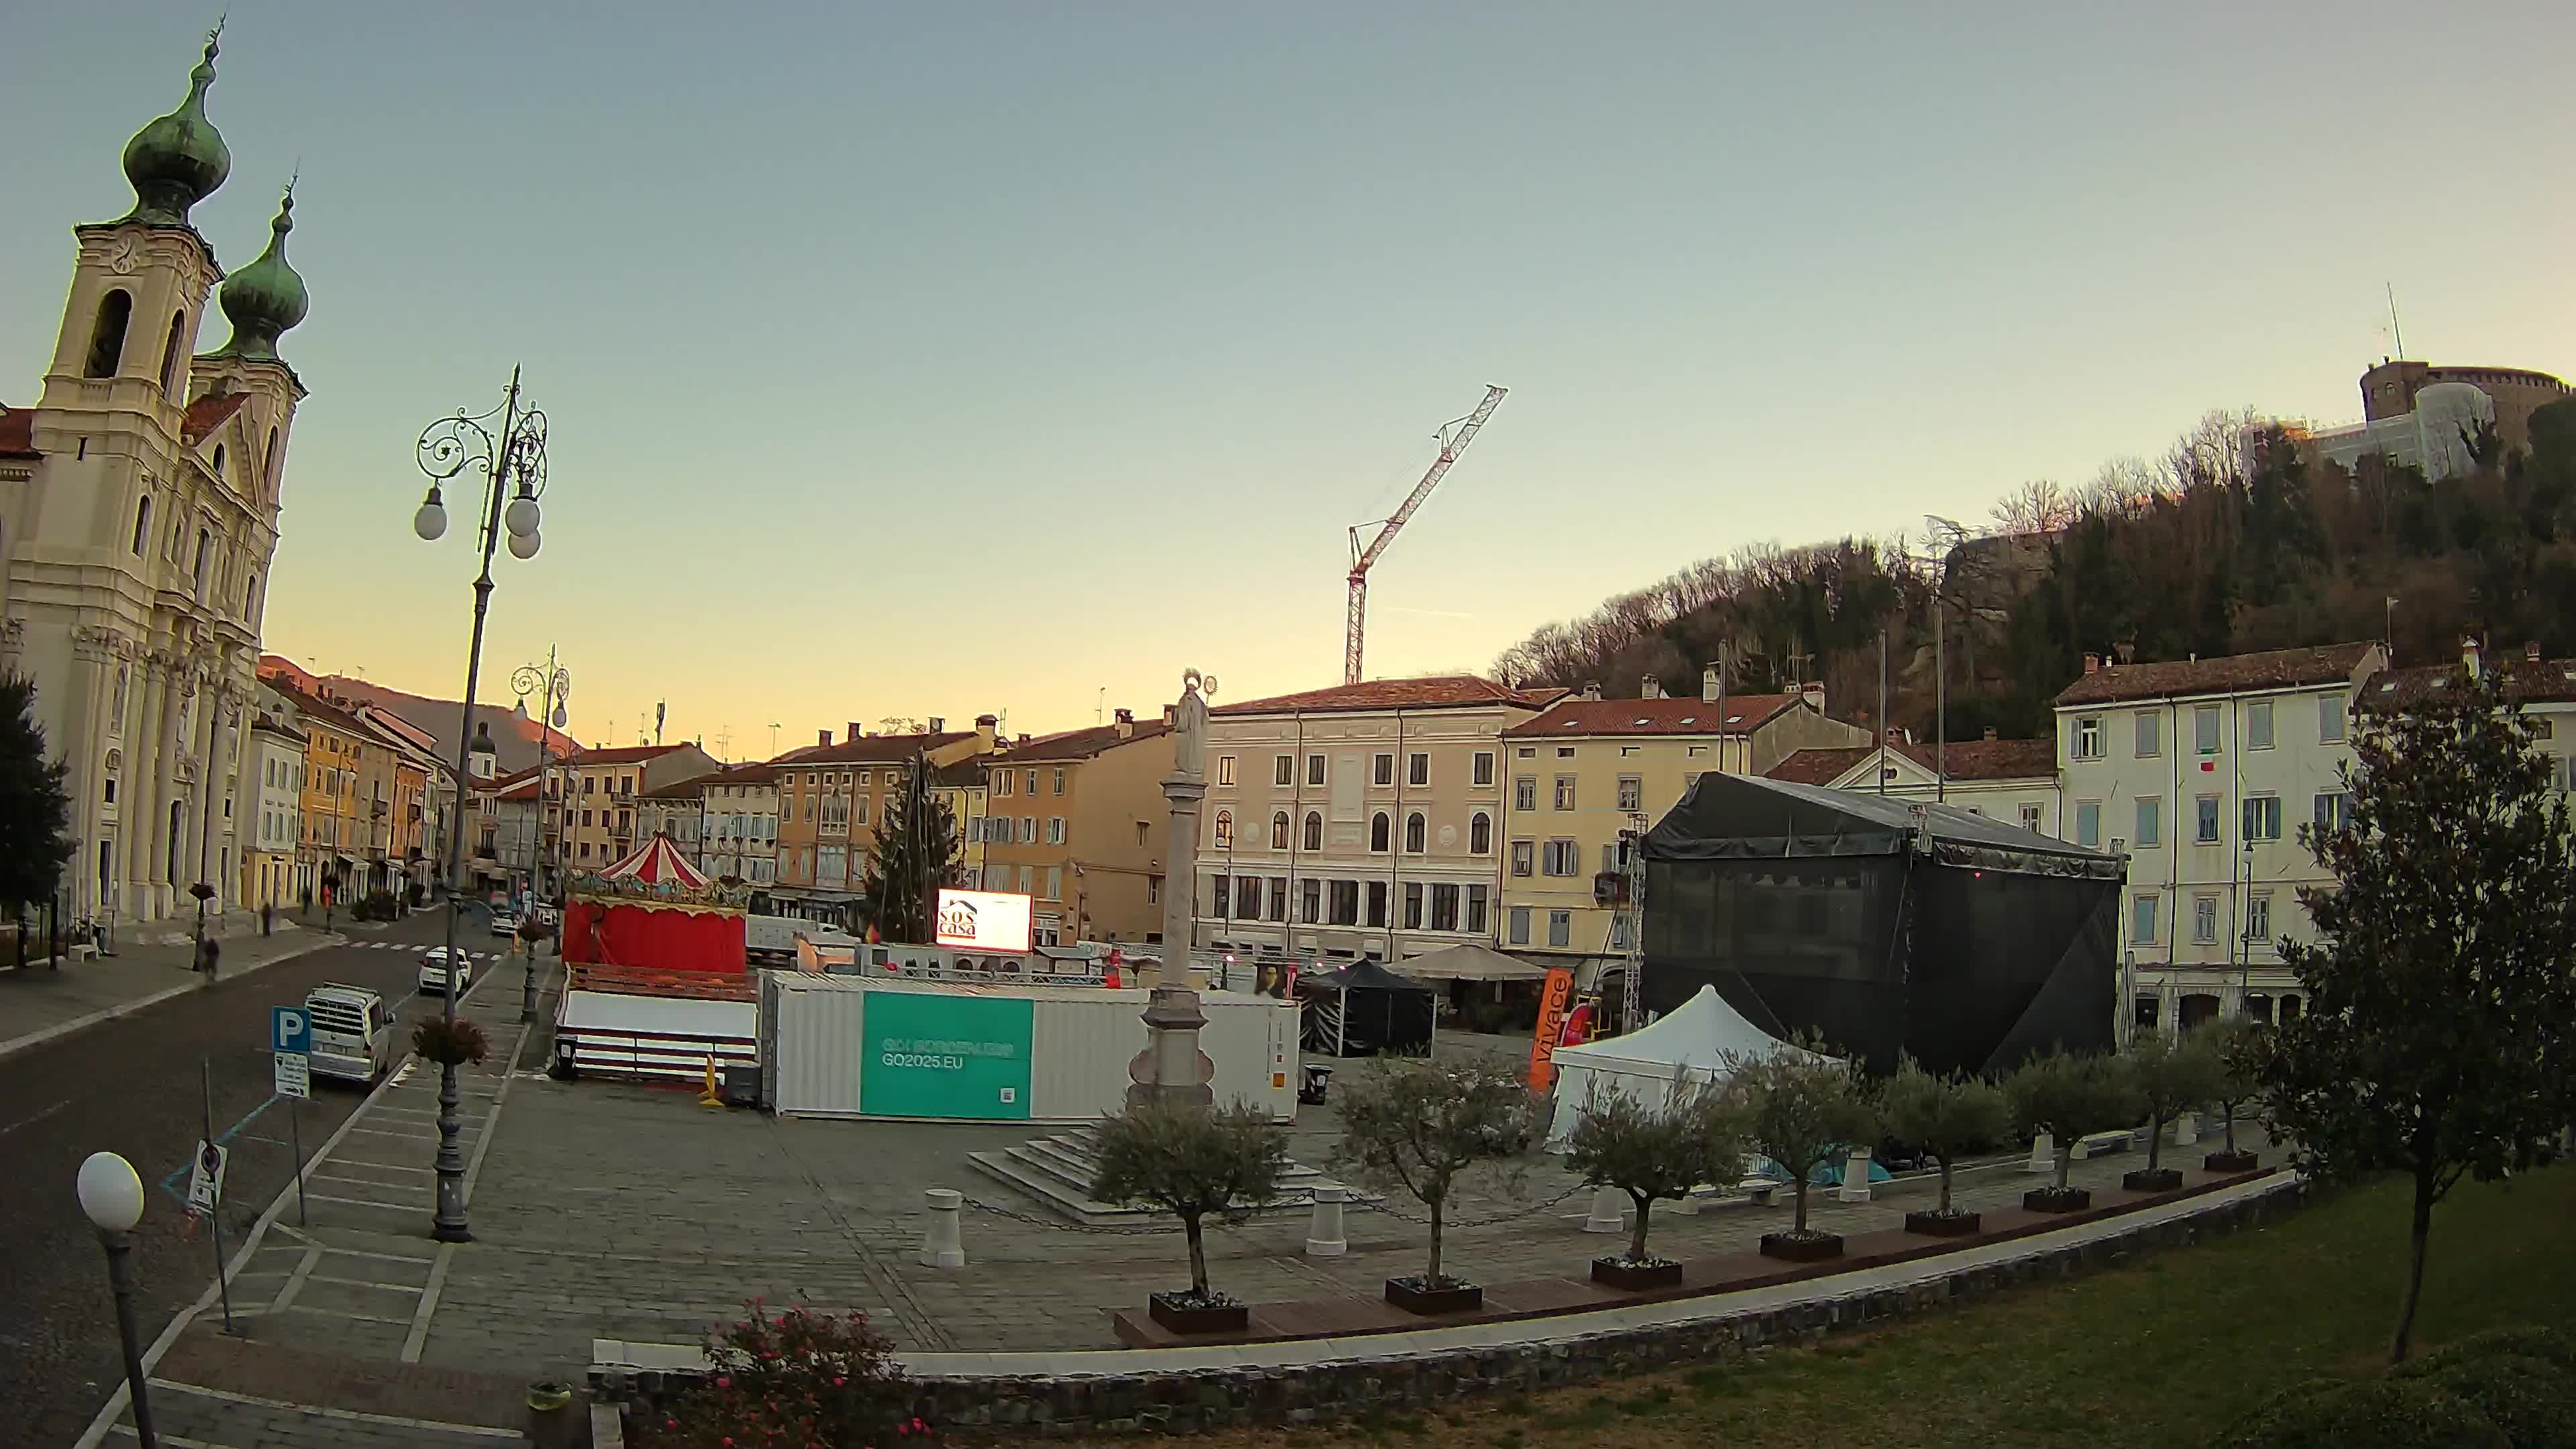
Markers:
523,545
431,521
110,1194
521,516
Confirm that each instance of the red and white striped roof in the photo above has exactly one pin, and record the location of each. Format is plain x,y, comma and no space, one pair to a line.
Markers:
657,862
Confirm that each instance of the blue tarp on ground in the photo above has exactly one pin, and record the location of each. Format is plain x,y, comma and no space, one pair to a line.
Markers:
1827,1174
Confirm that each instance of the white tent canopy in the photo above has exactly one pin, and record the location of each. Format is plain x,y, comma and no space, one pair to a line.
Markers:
1690,1043
1470,962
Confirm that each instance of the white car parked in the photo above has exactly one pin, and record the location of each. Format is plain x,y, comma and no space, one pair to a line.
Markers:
434,973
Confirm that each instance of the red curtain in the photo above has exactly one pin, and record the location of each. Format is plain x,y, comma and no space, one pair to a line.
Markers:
617,934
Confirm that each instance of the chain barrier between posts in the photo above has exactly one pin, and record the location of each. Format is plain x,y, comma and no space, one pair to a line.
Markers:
1355,1205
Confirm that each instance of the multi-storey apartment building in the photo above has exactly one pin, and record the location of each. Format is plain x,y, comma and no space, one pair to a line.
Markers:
832,797
334,836
1360,820
600,790
274,767
677,810
740,838
2009,780
2201,771
961,787
1077,821
1588,768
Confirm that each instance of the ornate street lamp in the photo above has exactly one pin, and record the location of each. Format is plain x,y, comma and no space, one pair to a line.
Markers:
516,458
556,681
111,1197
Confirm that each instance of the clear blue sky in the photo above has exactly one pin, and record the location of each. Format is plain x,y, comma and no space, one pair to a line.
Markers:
945,358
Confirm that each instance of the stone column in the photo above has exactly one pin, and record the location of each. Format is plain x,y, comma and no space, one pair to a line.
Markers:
147,805
84,747
1855,1186
1171,1069
1324,1233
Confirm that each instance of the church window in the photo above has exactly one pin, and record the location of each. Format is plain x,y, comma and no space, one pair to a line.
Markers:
205,551
250,598
269,461
142,523
170,354
107,339
219,460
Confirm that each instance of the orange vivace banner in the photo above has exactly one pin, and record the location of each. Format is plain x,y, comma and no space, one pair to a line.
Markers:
1552,1000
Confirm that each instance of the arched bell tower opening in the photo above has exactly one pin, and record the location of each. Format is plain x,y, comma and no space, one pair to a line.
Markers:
107,335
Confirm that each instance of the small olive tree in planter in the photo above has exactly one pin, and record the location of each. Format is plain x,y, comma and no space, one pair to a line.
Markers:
2172,1077
1799,1107
2070,1097
1654,1153
2238,1046
1191,1162
1947,1118
1413,1125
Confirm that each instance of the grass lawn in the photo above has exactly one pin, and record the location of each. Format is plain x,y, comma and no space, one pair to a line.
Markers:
2166,1352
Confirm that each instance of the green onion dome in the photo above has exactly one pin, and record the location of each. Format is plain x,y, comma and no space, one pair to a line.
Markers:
178,160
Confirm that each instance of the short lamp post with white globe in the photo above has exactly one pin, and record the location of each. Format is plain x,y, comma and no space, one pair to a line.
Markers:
111,1196
514,459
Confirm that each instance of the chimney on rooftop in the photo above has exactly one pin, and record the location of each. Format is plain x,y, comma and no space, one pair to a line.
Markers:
823,737
855,733
1024,739
1814,691
938,724
1592,689
2469,653
1650,688
1708,686
2092,663
985,727
1990,732
1171,714
1125,722
2531,651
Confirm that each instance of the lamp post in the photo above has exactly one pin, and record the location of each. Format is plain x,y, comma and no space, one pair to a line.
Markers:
111,1196
517,456
556,682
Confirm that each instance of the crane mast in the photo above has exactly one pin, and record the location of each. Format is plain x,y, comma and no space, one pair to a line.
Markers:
1454,438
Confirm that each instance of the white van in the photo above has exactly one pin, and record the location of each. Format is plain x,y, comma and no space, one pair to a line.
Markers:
353,1033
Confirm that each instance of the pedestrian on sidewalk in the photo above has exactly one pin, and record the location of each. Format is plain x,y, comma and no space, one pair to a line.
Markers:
267,919
208,953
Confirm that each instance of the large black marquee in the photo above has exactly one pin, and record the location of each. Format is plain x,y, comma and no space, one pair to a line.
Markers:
1887,925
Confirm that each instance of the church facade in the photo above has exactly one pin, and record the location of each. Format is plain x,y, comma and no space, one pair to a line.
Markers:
138,517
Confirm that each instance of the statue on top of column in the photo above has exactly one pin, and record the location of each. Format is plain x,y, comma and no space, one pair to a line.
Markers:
1189,724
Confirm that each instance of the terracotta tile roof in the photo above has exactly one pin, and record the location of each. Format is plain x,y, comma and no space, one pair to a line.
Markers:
1444,691
1744,714
873,749
2526,681
1967,760
1818,766
623,755
209,413
2232,674
18,433
758,772
1081,744
524,790
694,788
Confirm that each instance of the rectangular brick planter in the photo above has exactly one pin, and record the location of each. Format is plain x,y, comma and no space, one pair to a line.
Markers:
1944,1225
1636,1276
1196,1318
1814,1249
2230,1162
2052,1200
2151,1179
1455,1298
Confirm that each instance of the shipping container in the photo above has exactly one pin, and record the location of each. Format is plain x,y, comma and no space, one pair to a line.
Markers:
843,1046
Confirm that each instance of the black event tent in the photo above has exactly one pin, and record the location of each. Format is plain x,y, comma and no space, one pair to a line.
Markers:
1364,1009
1888,925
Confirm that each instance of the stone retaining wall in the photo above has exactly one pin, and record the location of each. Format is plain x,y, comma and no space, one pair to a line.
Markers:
1185,1402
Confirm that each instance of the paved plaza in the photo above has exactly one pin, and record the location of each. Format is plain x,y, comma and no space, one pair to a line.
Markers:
611,1211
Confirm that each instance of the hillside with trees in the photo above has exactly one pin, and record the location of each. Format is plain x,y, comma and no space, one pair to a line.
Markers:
2239,538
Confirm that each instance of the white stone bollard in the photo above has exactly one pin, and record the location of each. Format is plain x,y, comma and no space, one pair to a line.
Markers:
1856,1176
941,1247
2043,1154
1609,1212
2186,1128
1324,1236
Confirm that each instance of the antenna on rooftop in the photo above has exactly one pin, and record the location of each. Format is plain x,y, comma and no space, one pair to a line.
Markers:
2396,332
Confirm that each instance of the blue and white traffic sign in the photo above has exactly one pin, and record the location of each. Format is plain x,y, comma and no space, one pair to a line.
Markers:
290,1029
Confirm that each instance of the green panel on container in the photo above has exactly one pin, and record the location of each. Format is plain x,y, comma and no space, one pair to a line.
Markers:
946,1056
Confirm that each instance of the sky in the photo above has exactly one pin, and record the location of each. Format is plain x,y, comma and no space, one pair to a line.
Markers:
939,359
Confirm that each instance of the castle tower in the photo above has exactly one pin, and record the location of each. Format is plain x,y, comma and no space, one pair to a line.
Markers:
138,510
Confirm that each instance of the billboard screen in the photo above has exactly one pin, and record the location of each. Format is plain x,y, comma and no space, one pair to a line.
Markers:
983,921
946,1056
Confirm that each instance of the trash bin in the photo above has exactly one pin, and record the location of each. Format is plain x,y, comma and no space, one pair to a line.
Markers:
550,1416
1318,1081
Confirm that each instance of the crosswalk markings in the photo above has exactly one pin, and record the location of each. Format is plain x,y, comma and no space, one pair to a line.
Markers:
401,946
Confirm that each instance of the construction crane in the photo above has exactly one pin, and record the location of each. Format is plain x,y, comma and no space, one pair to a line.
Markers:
1454,438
